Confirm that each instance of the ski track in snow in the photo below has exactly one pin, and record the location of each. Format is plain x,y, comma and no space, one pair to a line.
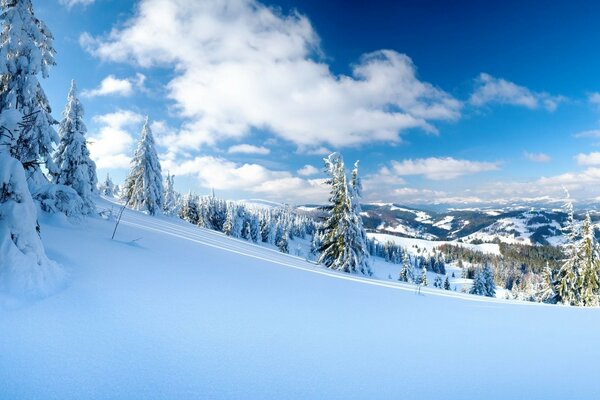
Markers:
218,240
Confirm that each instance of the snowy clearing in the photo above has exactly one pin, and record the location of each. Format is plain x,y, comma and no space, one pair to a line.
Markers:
172,311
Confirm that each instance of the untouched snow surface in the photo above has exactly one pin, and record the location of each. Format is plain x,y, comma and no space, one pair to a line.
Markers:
171,311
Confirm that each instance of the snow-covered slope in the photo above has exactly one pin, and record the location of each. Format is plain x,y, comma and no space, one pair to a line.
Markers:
171,311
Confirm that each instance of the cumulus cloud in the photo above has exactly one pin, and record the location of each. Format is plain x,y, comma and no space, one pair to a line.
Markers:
248,149
112,85
222,174
537,157
308,170
490,90
440,168
72,3
111,144
241,65
588,159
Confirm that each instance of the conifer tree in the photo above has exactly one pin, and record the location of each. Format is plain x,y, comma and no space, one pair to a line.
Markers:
406,273
343,245
170,200
424,277
26,51
24,267
107,187
143,188
75,168
447,283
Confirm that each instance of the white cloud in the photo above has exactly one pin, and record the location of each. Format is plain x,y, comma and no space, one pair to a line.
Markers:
111,145
489,89
72,3
440,168
222,174
115,86
588,159
537,157
248,149
593,133
241,65
308,170
594,99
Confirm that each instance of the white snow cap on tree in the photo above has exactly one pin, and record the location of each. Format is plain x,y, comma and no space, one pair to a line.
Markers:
24,267
26,50
143,188
75,167
343,245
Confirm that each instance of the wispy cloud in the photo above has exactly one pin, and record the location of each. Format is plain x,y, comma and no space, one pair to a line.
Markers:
441,168
491,90
588,159
248,149
72,3
112,85
537,157
308,170
593,133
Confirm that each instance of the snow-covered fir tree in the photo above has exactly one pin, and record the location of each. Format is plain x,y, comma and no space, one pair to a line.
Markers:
24,267
107,187
437,282
189,209
406,273
170,198
483,282
75,168
143,188
447,283
423,280
26,51
343,245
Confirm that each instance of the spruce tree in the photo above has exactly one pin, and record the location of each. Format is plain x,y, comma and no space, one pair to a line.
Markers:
75,168
343,245
107,187
424,277
24,267
170,200
406,273
447,283
143,188
26,51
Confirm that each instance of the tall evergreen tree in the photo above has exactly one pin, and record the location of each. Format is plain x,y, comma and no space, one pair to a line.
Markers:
406,273
343,245
143,188
170,200
26,51
424,276
75,168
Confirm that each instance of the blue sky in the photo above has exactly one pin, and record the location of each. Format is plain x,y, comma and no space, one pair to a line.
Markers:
463,102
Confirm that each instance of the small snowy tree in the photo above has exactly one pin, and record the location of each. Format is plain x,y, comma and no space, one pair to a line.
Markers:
170,200
26,51
75,168
447,283
143,189
343,245
423,277
24,267
107,187
406,273
483,282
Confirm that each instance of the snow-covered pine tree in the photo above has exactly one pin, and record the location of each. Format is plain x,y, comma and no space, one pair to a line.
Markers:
26,51
170,200
437,282
423,280
568,280
75,168
143,188
590,265
483,282
447,283
189,209
406,273
24,267
343,245
107,187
